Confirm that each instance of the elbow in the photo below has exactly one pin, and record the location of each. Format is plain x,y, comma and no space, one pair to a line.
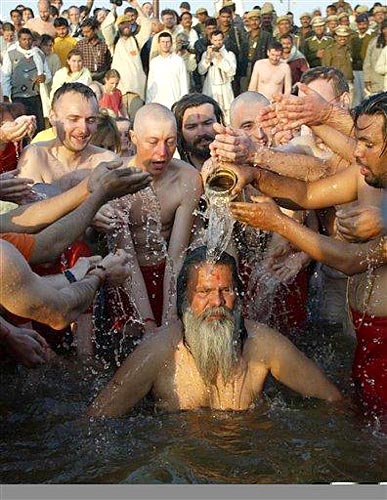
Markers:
334,395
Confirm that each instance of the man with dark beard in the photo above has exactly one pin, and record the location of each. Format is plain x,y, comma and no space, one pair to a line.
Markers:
214,359
195,116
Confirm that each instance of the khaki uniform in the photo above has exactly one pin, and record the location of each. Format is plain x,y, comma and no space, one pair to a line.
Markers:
313,45
340,58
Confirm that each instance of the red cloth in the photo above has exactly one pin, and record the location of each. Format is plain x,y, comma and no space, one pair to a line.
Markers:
112,101
55,338
369,370
22,241
8,157
154,282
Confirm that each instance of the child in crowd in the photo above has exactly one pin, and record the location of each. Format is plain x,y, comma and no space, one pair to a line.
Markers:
112,97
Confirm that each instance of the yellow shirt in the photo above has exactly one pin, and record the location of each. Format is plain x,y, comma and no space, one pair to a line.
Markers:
62,47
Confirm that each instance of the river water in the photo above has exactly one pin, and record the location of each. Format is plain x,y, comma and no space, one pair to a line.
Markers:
46,437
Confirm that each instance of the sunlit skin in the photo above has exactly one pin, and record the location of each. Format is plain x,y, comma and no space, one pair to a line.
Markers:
363,26
27,15
319,31
8,36
16,19
342,40
332,25
165,46
156,144
287,47
73,15
211,286
245,118
274,56
305,21
198,121
89,34
169,21
75,63
75,121
217,41
111,84
369,150
254,24
44,10
186,21
284,27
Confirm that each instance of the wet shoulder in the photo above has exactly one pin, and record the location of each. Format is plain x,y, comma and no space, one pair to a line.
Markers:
186,174
102,154
262,342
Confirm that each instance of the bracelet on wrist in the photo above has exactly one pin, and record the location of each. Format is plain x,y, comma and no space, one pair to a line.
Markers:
69,276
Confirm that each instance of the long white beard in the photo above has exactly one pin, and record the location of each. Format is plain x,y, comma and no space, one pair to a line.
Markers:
213,344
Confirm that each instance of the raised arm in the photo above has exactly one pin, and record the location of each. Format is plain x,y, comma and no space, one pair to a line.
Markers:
135,378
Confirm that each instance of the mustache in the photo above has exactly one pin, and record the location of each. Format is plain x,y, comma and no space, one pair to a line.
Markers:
217,311
207,137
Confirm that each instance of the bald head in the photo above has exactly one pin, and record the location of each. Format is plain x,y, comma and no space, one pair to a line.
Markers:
44,10
245,101
154,115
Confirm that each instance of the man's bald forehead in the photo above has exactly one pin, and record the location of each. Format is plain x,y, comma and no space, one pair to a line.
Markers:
249,98
152,112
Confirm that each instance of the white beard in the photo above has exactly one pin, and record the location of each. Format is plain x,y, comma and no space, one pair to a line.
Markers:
213,344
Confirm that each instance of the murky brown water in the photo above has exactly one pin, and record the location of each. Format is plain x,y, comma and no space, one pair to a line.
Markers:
47,439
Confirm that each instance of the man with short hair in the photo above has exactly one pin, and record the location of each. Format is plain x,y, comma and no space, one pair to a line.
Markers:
214,359
7,39
167,78
67,159
272,75
126,53
43,25
63,42
186,27
284,27
316,44
202,16
359,44
169,20
74,24
219,65
95,52
147,9
19,60
195,116
379,15
305,30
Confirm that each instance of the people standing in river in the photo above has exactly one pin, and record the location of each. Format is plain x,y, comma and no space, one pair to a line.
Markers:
213,359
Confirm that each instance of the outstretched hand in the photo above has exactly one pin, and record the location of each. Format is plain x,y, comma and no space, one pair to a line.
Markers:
27,347
232,145
263,214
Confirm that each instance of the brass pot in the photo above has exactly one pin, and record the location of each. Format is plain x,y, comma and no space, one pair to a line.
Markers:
221,182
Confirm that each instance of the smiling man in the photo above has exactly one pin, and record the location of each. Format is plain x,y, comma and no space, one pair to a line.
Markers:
67,159
214,359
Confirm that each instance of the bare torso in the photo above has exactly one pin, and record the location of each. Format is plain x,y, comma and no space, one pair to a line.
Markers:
40,162
271,77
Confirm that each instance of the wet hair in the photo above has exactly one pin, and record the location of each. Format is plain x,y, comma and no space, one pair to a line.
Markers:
373,106
275,46
61,21
77,87
334,75
24,31
195,259
106,126
164,34
111,73
380,42
188,101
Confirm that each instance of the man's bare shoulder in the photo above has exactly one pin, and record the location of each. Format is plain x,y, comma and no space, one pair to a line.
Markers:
185,171
262,341
101,153
38,148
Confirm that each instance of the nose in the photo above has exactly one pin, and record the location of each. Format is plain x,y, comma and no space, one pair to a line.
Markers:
83,126
162,150
359,150
217,299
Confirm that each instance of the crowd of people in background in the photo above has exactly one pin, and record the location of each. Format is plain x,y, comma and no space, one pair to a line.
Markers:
112,125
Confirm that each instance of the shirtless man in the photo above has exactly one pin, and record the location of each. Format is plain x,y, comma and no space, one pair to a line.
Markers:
155,226
215,359
367,287
272,75
66,160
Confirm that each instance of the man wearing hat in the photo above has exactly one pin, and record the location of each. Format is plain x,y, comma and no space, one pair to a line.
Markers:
359,44
202,16
126,53
339,55
267,17
379,14
343,7
305,30
258,44
332,23
316,45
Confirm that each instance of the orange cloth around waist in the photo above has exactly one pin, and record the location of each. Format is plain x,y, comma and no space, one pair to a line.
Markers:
22,241
369,369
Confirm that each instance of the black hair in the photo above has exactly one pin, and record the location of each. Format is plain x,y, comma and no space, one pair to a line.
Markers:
54,12
9,27
373,105
164,34
30,10
185,5
76,87
225,10
380,42
167,12
274,45
90,22
186,13
45,39
211,21
61,21
24,31
188,101
131,10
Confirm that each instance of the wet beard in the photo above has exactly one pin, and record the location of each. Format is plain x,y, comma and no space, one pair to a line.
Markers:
200,152
213,344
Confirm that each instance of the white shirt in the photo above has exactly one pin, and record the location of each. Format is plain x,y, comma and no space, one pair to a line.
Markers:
167,80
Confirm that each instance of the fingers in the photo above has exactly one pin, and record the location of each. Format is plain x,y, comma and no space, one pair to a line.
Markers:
219,129
113,164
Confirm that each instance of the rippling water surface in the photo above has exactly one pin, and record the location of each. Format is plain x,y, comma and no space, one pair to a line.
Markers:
47,439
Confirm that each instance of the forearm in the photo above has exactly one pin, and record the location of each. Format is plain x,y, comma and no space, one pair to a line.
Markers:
34,217
279,187
53,240
337,141
340,120
296,166
350,258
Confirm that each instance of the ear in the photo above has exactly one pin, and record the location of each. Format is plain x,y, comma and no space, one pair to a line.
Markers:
345,100
133,137
52,117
